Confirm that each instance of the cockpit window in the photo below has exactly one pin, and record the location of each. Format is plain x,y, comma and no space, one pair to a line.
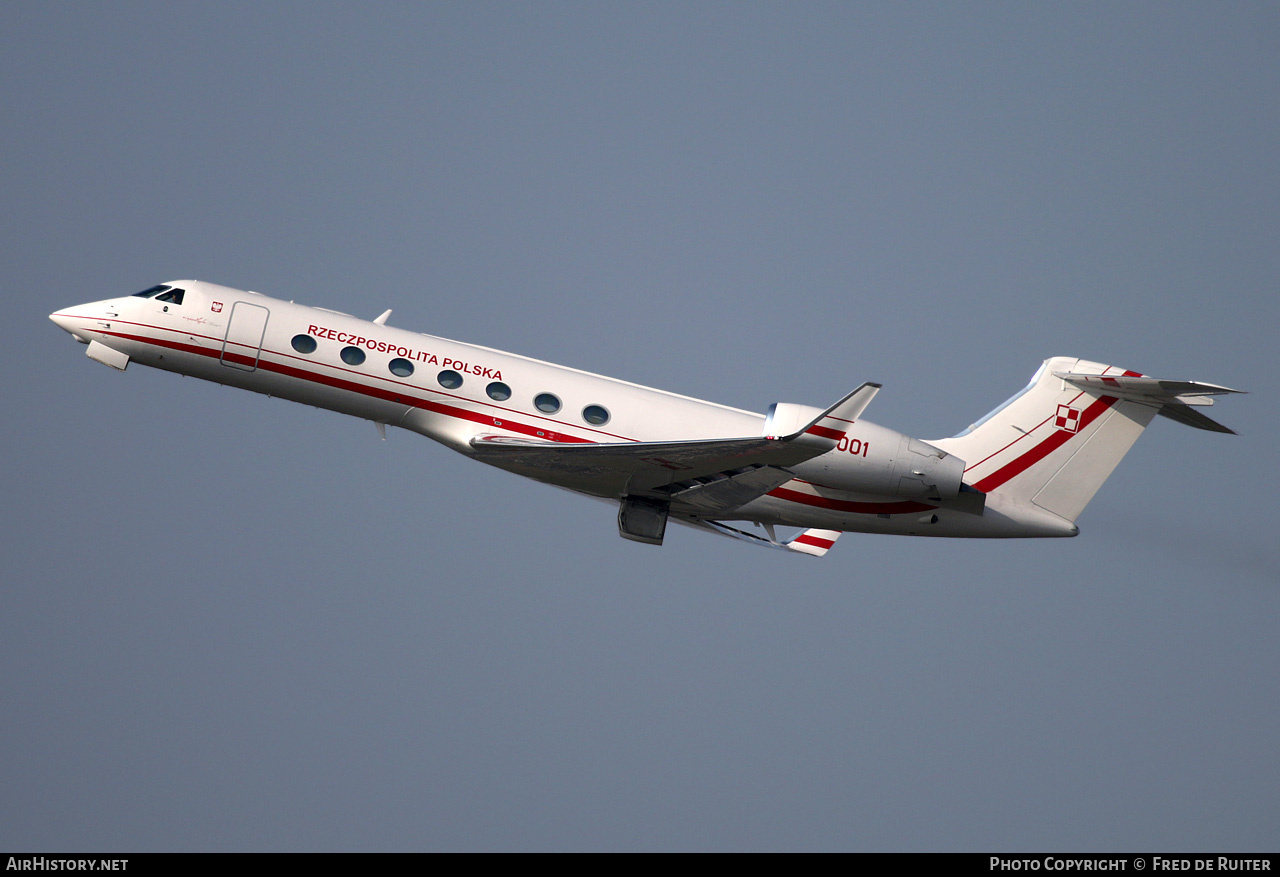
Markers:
152,292
173,296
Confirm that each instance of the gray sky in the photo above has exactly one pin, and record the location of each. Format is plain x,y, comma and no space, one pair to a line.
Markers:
234,623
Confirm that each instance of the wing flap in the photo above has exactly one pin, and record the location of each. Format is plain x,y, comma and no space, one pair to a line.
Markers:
721,493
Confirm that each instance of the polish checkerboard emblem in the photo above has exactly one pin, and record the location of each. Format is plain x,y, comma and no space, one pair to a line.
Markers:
1067,419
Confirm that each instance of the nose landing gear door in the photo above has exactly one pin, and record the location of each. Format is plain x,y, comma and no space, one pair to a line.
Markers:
243,342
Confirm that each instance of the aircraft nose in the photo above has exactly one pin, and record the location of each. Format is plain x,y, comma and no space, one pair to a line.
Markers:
71,319
61,320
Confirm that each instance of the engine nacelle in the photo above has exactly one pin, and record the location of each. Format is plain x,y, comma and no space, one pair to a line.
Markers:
875,460
788,418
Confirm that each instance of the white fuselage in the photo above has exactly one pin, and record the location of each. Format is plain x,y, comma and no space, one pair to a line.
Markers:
453,392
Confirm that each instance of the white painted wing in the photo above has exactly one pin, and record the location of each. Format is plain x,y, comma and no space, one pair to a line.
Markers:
703,477
700,477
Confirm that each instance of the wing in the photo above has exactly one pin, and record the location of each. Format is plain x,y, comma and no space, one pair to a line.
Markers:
705,477
713,475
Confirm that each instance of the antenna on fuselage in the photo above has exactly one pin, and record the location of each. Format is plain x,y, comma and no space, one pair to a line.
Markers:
382,320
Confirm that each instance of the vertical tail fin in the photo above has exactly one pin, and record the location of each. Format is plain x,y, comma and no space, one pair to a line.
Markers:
1055,442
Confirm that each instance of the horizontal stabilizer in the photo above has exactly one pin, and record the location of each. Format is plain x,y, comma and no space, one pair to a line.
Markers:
1190,417
1174,398
1139,387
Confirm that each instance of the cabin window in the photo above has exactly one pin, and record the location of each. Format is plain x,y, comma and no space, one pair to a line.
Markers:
173,295
401,368
595,414
498,391
352,355
547,403
304,343
450,380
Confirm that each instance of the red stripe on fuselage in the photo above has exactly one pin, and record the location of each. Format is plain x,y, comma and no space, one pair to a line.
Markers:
394,395
399,396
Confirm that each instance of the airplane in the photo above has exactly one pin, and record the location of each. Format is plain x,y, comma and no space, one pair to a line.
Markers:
1027,469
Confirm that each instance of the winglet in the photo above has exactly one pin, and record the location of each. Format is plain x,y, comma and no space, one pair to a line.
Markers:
815,542
831,425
